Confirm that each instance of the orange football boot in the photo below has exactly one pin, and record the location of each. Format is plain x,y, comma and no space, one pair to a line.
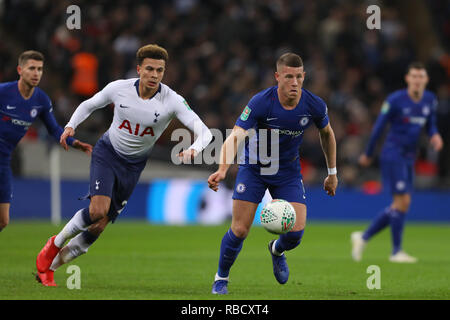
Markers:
46,278
45,257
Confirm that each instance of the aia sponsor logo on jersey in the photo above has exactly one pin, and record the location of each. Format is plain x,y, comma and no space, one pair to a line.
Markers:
126,125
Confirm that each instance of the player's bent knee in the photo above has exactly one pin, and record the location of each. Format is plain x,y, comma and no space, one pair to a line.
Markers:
402,203
4,222
99,208
240,231
98,212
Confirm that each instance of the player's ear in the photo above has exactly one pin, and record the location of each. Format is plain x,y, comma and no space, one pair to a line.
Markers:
138,69
19,70
277,76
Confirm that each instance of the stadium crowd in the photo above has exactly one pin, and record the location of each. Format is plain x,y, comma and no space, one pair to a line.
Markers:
223,52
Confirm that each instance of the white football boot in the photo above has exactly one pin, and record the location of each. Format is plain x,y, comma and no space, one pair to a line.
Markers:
402,257
358,245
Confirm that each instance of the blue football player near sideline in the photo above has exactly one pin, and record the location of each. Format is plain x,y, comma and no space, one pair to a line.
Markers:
21,103
288,110
408,111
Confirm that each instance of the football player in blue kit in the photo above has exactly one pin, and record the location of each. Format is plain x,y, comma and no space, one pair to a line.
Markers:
21,103
286,110
407,111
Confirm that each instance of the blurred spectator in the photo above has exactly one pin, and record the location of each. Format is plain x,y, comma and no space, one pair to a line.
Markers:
223,52
84,81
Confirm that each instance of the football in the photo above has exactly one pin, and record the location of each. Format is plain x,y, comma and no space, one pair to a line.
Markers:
278,216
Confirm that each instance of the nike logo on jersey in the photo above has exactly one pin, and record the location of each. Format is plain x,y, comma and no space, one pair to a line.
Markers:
270,119
122,106
8,107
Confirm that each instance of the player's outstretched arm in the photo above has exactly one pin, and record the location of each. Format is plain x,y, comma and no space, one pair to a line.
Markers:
227,154
328,143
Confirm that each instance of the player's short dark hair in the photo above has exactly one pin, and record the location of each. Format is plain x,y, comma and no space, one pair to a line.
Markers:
30,55
290,60
152,51
416,65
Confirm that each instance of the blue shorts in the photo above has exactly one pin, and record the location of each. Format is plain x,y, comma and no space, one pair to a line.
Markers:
5,184
397,176
113,176
251,186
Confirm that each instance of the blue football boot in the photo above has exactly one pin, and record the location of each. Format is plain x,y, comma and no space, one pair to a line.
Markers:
280,267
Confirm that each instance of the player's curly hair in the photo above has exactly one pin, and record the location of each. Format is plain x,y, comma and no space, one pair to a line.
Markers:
30,55
152,51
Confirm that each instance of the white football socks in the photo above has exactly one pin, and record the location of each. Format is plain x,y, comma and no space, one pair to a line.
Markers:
72,228
75,248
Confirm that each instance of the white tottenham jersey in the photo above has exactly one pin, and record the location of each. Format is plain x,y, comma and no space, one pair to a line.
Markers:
138,123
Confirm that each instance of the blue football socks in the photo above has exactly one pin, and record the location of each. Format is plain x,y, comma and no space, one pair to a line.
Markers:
229,250
380,222
288,241
397,220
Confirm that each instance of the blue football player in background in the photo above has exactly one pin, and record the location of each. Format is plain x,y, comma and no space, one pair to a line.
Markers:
21,103
286,110
407,111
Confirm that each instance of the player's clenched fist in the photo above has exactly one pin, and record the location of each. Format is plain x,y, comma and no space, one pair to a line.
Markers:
214,179
330,184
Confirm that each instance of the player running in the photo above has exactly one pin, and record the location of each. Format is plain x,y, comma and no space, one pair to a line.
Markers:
407,111
288,110
21,103
144,107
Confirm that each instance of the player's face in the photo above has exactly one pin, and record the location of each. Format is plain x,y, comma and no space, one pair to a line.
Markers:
290,81
151,72
417,80
31,72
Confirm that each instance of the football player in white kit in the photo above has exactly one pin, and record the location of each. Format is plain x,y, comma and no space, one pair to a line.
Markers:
143,109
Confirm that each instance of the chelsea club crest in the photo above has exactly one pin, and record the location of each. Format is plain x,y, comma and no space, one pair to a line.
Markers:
304,121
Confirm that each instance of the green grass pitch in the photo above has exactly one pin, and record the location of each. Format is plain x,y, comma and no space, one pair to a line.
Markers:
136,260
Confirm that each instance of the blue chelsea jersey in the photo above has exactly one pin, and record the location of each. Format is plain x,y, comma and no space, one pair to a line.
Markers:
264,111
18,114
407,120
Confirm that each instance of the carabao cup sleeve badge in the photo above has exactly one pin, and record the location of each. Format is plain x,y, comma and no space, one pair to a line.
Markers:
245,113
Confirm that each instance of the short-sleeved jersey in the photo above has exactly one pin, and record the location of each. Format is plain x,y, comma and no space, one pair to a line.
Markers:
264,111
18,114
407,119
138,123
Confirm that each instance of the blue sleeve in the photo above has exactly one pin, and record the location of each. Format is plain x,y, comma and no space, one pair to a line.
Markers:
253,112
52,126
320,114
431,126
380,124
